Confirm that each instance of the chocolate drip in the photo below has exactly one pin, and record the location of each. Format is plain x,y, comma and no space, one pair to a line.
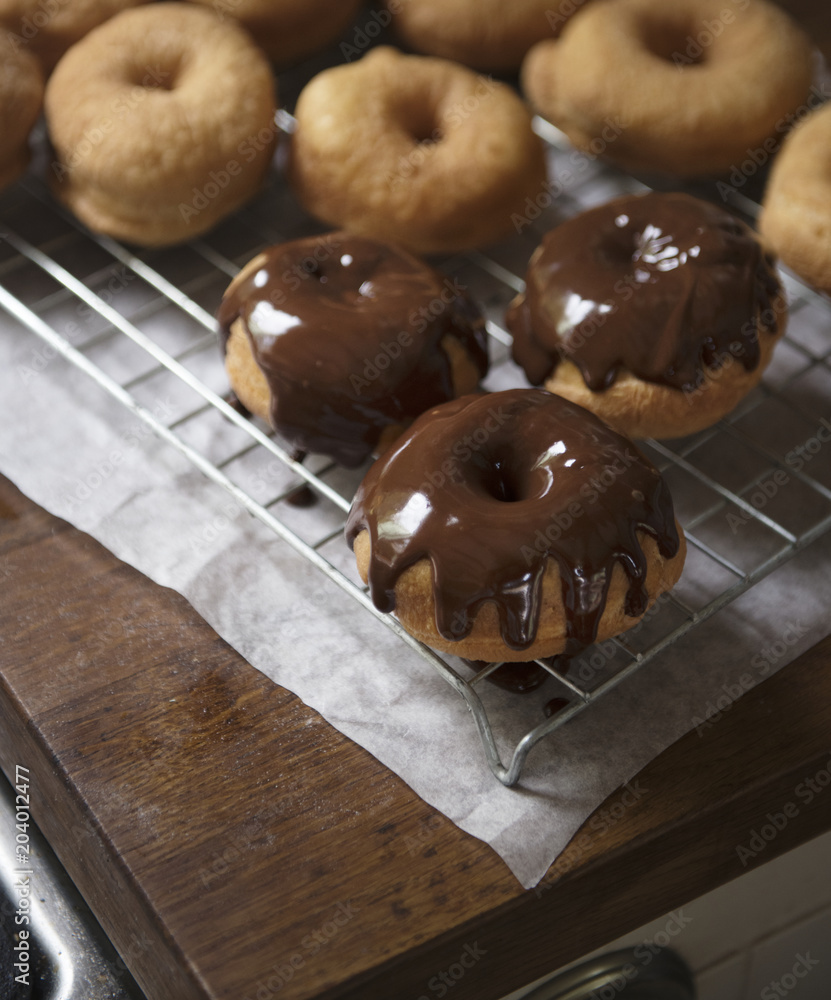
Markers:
554,706
349,335
664,286
488,488
236,403
303,496
520,678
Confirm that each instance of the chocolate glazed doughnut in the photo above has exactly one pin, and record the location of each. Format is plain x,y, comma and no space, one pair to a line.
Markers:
341,341
513,525
657,312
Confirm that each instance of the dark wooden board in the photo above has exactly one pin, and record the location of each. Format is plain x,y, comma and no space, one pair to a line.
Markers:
231,842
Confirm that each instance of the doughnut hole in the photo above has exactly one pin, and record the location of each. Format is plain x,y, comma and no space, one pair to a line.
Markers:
495,474
668,37
420,119
163,76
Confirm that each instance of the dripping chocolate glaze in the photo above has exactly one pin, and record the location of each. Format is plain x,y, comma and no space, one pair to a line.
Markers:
482,486
664,286
348,333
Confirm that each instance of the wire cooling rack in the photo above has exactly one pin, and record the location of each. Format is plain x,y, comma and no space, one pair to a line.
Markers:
749,492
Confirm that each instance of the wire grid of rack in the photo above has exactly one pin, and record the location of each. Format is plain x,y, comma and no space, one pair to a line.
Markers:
54,273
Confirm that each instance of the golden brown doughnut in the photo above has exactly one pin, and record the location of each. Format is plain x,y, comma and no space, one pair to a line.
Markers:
289,30
339,341
657,312
47,28
484,34
414,150
796,210
162,121
685,87
514,525
21,97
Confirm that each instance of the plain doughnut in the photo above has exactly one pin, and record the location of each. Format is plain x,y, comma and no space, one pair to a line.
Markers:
289,30
414,150
47,28
796,209
162,121
687,87
484,34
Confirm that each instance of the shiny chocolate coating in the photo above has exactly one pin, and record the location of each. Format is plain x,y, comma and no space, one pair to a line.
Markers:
664,286
348,333
489,488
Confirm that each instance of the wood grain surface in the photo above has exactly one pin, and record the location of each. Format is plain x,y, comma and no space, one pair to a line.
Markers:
234,845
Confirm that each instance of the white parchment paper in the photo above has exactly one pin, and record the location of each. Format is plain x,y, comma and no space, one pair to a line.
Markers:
84,457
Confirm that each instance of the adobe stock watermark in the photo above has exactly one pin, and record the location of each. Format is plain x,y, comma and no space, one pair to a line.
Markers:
219,179
463,450
566,177
557,18
418,320
210,530
804,453
325,247
762,662
292,624
587,666
788,981
805,792
309,266
103,470
644,954
285,970
33,23
120,108
611,813
769,486
44,354
364,35
768,318
452,117
441,984
758,157
712,29
590,492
